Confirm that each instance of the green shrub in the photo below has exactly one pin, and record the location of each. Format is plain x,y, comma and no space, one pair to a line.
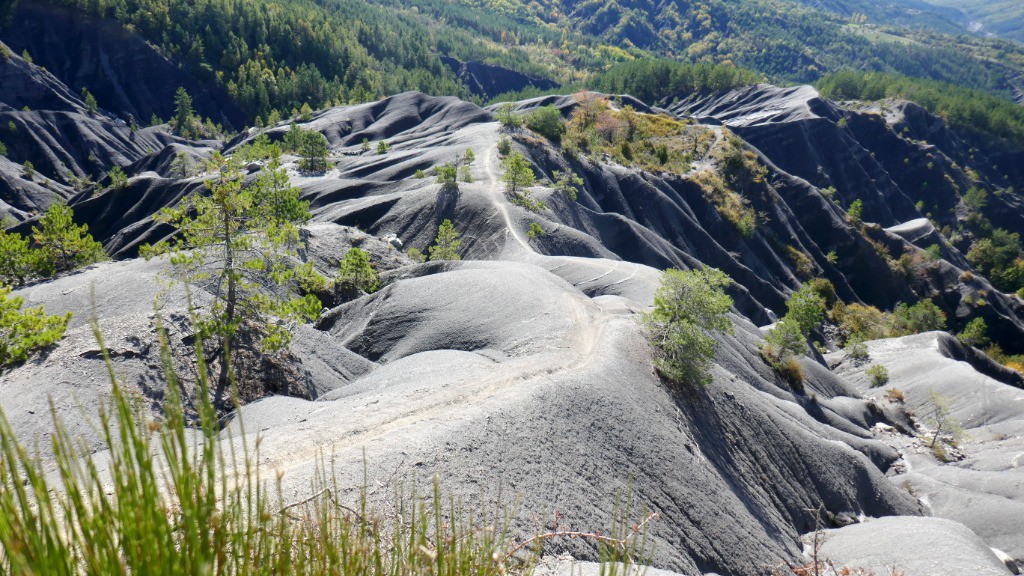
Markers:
28,170
825,290
504,146
535,230
975,333
90,101
465,174
419,174
687,305
547,121
784,341
23,331
947,428
383,147
924,316
118,179
806,308
356,270
416,255
879,375
792,372
857,349
859,321
566,183
508,117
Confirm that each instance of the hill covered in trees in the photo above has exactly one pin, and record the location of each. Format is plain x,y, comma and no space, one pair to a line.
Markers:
271,57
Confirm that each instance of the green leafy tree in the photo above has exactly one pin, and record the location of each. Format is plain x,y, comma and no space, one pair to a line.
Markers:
28,170
64,245
24,330
305,113
465,174
447,243
687,306
447,176
383,147
518,174
240,243
356,271
469,157
975,333
184,116
535,230
19,263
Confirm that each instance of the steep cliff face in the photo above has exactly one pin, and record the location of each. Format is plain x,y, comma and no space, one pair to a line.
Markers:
128,77
488,80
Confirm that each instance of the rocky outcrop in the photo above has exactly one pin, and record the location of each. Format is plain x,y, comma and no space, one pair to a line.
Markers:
489,80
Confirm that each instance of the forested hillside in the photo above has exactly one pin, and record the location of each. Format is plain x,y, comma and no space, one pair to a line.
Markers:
273,55
1000,17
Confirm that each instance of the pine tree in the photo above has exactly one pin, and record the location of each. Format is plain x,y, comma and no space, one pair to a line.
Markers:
64,244
90,101
25,330
19,263
447,176
313,149
357,272
118,179
446,245
240,243
184,115
686,306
